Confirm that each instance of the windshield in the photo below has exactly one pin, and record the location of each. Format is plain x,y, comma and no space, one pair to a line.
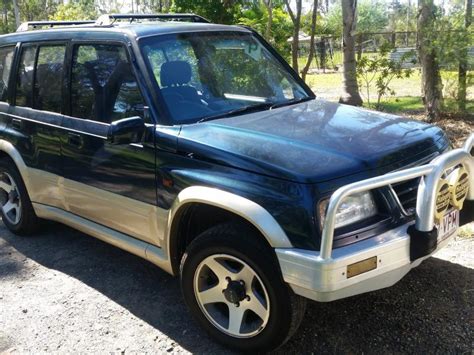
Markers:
207,75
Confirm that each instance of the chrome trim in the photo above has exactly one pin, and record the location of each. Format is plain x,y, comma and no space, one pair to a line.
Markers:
419,162
399,203
425,206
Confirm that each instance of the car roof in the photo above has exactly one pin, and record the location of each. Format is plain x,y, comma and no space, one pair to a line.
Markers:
116,31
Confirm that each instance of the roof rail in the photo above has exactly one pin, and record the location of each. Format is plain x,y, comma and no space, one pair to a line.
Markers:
25,26
109,19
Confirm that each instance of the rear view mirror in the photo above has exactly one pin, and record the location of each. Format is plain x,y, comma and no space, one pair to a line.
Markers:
126,131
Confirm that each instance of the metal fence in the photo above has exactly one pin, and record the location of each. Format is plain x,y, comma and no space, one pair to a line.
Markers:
329,56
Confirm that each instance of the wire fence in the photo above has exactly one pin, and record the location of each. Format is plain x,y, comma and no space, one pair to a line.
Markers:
329,57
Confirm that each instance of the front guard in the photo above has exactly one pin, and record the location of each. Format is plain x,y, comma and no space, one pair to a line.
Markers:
432,200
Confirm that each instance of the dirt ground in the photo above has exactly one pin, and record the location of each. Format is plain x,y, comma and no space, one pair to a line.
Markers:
62,291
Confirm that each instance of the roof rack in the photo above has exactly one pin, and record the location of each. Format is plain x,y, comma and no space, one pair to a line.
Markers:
109,19
33,25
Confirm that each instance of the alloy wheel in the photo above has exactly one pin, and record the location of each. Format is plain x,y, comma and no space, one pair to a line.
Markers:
10,198
231,295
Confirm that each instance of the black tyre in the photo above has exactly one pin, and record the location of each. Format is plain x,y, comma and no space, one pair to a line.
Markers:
232,284
16,209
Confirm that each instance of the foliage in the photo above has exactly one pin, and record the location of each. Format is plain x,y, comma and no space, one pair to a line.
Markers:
381,70
402,16
449,39
451,83
372,17
218,11
32,10
257,17
80,10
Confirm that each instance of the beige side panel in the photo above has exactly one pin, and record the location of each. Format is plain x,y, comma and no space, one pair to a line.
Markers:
137,219
46,188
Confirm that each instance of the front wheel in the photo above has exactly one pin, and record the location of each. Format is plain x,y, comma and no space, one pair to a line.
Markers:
232,284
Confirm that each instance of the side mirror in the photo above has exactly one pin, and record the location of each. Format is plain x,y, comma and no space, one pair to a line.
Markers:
126,131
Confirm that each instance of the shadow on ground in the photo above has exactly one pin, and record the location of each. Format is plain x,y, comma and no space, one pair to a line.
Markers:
430,311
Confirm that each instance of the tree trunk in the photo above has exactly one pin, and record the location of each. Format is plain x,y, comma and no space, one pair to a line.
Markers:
16,11
350,87
269,5
431,79
311,45
296,19
5,15
462,73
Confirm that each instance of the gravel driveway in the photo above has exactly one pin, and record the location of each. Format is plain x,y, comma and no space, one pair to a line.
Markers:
62,291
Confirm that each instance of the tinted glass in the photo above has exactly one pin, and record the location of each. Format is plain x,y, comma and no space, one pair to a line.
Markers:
48,80
209,74
103,87
6,60
24,81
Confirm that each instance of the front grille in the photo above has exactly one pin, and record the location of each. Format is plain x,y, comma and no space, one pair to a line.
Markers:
406,191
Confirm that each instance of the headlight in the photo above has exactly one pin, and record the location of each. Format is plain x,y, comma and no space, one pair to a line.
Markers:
353,208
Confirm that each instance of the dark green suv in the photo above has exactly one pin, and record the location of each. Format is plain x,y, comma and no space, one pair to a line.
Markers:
195,146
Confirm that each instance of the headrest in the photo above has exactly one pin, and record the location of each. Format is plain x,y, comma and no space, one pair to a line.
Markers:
175,73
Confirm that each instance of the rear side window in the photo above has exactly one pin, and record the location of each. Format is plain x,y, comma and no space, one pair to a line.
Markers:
6,60
24,81
103,87
48,78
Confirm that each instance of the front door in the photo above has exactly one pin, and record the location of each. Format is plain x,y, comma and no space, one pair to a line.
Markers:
113,185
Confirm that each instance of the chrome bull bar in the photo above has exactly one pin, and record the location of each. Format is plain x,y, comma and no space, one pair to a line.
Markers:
426,199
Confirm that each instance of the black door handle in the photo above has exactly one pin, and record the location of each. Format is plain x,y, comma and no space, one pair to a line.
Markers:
75,139
17,124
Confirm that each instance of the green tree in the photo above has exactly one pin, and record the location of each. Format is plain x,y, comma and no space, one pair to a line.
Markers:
218,11
34,10
372,16
80,10
430,74
350,87
256,16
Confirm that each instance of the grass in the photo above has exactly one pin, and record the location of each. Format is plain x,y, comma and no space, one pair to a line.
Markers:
407,90
414,104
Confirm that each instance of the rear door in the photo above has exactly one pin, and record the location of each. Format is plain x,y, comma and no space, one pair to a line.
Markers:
35,116
113,185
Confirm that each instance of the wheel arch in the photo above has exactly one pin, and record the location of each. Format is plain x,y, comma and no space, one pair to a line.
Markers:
203,207
7,150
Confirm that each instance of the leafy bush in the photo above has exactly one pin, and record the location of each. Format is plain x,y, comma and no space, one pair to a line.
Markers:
380,70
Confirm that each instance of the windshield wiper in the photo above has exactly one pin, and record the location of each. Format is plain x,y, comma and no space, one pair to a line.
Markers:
253,108
291,102
238,111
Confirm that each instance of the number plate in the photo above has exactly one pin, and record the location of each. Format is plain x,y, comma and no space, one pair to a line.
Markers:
449,224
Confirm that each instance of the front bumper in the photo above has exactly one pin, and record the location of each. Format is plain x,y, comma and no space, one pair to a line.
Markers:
323,275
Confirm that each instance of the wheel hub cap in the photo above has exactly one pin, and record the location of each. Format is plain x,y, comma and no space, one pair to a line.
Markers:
235,292
12,196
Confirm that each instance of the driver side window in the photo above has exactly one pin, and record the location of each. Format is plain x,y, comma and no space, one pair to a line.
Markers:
103,86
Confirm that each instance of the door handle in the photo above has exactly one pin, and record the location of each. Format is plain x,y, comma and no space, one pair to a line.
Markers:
17,124
75,139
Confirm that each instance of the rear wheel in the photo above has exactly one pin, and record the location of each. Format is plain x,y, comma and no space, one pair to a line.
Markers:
232,284
16,209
